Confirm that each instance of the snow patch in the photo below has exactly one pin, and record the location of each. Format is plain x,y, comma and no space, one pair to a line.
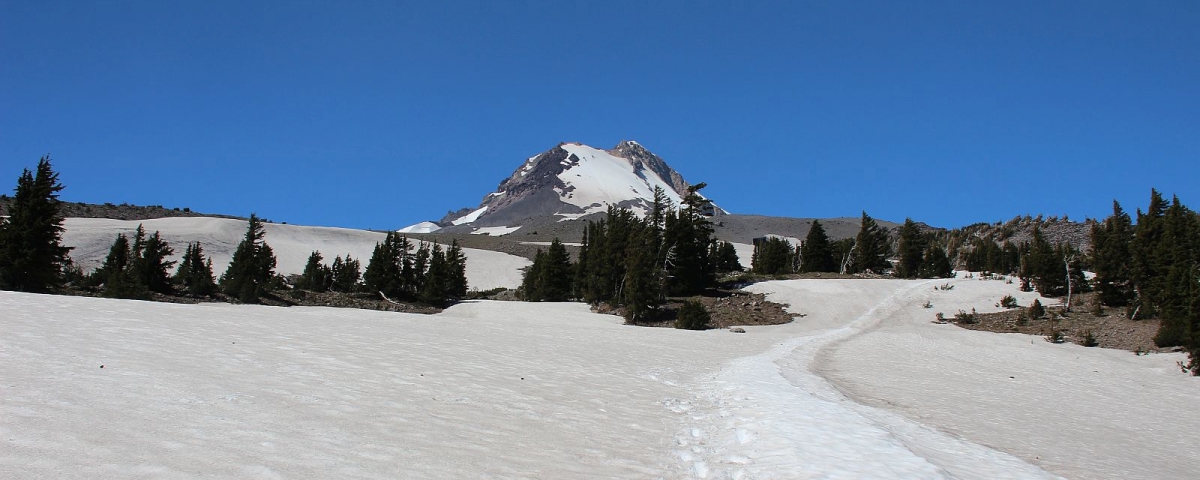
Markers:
423,227
600,179
470,217
495,231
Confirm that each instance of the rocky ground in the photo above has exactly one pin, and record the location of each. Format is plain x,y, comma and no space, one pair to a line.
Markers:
1109,327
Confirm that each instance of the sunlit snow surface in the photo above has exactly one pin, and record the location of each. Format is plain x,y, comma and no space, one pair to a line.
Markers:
520,390
422,227
292,244
602,179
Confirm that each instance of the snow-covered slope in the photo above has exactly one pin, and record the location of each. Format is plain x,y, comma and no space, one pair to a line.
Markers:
292,244
862,387
573,180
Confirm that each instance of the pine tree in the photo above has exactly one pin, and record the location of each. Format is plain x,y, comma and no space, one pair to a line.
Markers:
456,268
772,256
32,258
912,250
725,257
1178,258
151,266
344,274
252,266
435,290
195,274
642,289
816,254
935,264
1111,257
316,276
116,274
1147,270
871,248
688,235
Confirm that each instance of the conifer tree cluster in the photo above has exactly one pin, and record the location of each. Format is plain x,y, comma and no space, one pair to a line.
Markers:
32,258
634,263
775,256
919,255
551,278
871,248
135,270
343,276
195,274
431,274
990,256
1053,270
817,253
252,266
1153,267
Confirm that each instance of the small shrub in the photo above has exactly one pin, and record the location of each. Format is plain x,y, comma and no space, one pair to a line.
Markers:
1056,336
1097,308
928,304
941,318
946,286
1089,340
1022,318
692,316
964,317
1009,302
1036,310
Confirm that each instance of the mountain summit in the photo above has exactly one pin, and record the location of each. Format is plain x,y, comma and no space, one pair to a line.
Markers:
573,180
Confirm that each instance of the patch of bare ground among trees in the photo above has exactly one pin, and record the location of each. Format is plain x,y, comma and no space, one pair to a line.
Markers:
1085,324
726,309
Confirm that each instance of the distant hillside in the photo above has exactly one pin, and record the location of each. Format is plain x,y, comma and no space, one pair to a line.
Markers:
123,211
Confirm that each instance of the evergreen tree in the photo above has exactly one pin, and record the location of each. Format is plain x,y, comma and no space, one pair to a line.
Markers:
252,266
871,248
935,264
688,235
1111,257
195,274
531,283
642,289
456,268
385,268
151,267
816,254
435,289
344,274
316,277
1178,255
1147,270
772,256
32,258
912,250
116,275
725,257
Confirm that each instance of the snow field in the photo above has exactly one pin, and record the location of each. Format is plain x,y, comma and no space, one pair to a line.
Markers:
292,244
944,392
862,386
1074,411
485,389
601,179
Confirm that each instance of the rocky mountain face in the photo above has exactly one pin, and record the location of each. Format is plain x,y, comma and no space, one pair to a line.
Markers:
571,181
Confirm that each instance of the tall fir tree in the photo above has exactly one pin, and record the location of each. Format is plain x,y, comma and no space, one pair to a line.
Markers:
252,266
316,276
32,258
151,265
871,248
911,250
935,263
816,254
1111,241
195,273
344,274
116,276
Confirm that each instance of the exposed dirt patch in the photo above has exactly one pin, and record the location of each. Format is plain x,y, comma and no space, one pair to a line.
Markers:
1109,329
727,308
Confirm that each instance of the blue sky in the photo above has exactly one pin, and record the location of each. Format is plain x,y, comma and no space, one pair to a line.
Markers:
379,114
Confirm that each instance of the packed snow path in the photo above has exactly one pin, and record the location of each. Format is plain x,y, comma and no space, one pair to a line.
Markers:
863,386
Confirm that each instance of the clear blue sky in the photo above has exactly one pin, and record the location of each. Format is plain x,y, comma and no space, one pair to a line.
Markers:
379,114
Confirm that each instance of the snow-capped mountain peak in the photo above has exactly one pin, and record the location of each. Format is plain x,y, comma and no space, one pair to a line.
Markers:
573,180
